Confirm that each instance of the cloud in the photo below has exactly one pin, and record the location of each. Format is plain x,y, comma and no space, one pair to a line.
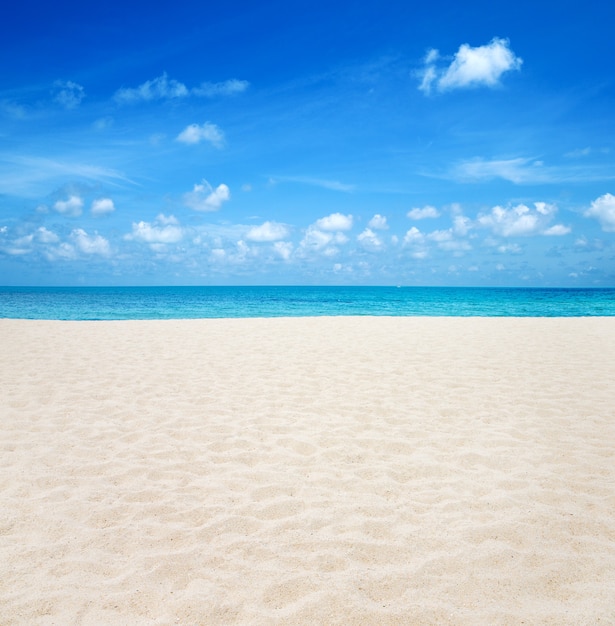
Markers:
163,230
68,94
160,88
225,88
71,207
283,249
268,231
424,213
470,67
557,230
378,222
603,209
414,236
519,170
204,197
518,221
370,240
334,185
164,88
103,206
335,221
194,133
46,236
90,244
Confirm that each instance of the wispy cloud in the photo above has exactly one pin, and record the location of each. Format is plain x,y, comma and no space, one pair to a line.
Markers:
68,94
519,170
481,66
334,185
225,88
23,172
165,88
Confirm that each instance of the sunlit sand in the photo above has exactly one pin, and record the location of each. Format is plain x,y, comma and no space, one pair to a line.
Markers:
308,471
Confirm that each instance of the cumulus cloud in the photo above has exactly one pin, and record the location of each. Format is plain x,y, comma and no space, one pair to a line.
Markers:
370,240
378,222
204,197
283,249
90,244
335,221
268,231
518,221
603,209
470,67
71,207
194,133
165,88
46,236
103,206
424,213
68,94
414,236
162,231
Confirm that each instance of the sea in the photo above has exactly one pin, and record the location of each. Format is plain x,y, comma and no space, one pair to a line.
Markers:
140,303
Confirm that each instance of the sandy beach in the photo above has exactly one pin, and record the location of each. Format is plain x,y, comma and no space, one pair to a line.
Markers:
308,471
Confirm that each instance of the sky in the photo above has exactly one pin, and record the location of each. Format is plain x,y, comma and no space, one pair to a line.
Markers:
303,142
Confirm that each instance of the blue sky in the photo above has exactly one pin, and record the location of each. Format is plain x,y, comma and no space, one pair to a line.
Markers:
302,142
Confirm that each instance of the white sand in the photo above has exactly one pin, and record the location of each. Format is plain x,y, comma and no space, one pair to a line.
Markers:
308,471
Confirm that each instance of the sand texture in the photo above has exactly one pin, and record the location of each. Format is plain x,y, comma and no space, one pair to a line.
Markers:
308,471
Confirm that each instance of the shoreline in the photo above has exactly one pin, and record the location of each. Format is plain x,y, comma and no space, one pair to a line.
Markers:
342,470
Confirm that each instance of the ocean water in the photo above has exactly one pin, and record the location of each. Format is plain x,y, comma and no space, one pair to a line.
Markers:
128,303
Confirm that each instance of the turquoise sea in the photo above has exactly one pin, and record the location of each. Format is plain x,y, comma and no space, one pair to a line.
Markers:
127,303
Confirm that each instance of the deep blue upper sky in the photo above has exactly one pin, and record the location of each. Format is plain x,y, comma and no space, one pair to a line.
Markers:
300,142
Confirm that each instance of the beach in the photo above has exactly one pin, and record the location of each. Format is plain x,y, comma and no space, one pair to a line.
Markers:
334,470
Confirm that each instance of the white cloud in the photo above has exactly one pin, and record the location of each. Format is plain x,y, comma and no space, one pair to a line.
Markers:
335,221
71,207
204,197
517,221
603,209
194,133
225,88
283,249
315,239
164,88
424,213
334,185
160,88
68,94
557,230
102,206
461,225
46,236
268,231
163,230
519,170
413,236
378,222
370,240
470,67
90,244
510,248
